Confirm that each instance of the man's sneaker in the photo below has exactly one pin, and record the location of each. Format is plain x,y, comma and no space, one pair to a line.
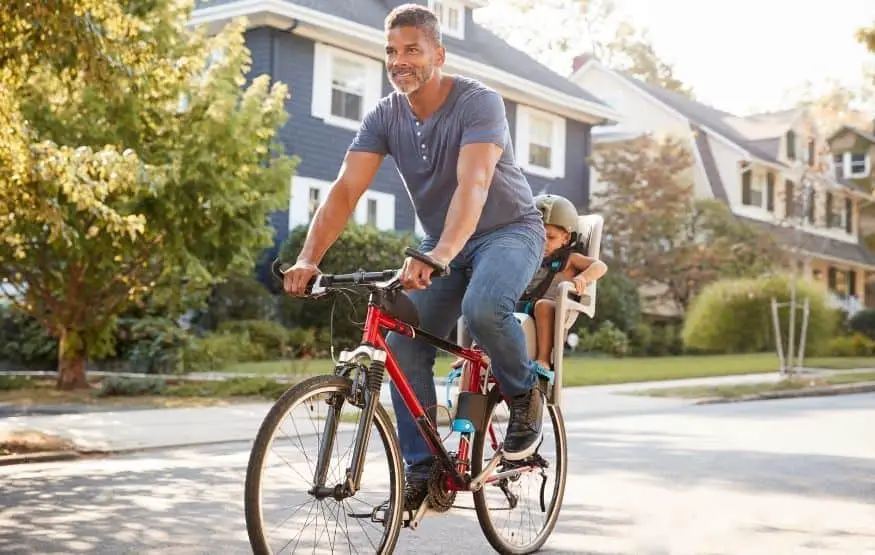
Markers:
416,485
524,427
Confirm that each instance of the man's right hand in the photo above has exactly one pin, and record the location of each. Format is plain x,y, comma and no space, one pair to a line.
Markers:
296,279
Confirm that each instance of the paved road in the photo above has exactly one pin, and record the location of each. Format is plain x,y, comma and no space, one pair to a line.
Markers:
791,476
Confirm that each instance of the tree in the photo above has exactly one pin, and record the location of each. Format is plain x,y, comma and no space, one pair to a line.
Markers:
587,26
659,234
130,164
866,36
836,104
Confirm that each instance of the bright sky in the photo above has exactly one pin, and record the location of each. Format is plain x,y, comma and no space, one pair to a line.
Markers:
743,55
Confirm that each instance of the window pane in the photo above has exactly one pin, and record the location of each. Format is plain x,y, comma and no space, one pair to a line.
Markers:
313,201
347,88
540,156
540,131
372,212
453,18
858,163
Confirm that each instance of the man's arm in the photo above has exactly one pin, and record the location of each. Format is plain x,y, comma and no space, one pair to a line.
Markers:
355,176
482,147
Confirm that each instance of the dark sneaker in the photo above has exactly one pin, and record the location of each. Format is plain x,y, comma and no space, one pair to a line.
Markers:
524,427
416,485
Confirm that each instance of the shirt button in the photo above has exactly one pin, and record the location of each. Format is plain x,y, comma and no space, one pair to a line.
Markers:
423,145
423,158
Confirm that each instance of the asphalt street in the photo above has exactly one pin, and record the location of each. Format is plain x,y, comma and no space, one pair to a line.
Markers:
773,477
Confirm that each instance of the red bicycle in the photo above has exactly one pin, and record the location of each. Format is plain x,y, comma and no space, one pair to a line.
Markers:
335,491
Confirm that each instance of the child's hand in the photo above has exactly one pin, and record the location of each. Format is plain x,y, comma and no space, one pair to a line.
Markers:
580,284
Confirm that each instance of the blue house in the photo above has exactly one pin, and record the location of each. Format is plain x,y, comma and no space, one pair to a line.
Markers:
330,54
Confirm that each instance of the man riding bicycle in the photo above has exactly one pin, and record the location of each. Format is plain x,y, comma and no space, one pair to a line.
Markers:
451,143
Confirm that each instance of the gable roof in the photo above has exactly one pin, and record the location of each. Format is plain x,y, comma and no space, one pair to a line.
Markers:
729,126
848,128
481,54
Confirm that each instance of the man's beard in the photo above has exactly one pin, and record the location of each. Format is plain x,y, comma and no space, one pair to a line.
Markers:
410,79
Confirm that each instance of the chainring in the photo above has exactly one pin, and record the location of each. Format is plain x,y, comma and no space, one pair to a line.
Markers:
440,499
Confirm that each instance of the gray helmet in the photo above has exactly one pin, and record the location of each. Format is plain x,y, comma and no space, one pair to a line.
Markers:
558,211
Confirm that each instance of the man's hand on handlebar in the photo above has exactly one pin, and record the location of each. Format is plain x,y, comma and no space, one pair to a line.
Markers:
416,274
296,279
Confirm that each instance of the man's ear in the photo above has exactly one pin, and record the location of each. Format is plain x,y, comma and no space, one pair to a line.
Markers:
441,55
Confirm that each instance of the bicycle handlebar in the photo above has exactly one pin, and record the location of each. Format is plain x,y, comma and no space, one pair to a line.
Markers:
320,283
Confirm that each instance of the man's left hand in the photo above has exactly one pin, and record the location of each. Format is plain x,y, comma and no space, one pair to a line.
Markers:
416,274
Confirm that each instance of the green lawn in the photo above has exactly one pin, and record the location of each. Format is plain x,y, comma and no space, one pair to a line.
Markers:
595,371
742,390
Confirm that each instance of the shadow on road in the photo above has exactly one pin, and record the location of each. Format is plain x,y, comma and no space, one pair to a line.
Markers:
167,502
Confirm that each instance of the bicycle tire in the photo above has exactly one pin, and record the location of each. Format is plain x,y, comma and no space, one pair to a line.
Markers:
255,467
477,463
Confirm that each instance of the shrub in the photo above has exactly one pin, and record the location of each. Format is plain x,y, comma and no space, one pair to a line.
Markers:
152,344
735,316
25,341
273,337
617,301
863,322
124,386
607,339
239,297
856,345
357,247
217,351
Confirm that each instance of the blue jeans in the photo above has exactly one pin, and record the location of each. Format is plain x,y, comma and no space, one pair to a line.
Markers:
485,282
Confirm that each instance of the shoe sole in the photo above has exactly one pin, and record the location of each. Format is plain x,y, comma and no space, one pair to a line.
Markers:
527,452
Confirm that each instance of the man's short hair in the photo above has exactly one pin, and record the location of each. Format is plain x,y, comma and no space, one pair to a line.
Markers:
414,15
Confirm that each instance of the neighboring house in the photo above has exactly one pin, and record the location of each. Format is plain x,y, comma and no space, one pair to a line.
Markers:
753,164
330,54
853,152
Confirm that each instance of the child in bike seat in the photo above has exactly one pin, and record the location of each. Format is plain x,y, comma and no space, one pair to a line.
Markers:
561,263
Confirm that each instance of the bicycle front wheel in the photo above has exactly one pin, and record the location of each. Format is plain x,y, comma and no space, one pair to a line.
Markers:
301,508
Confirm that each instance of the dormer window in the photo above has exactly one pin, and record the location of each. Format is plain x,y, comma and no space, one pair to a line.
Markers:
851,165
451,14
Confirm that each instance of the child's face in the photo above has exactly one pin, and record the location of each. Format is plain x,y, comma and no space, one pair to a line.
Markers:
556,239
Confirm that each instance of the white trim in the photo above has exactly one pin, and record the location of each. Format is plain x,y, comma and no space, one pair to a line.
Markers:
323,66
825,258
445,7
372,40
557,146
385,209
300,196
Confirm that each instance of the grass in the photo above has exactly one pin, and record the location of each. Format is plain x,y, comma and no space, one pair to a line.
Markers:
581,370
742,390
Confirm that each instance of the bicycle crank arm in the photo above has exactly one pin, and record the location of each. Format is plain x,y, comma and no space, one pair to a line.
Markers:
480,479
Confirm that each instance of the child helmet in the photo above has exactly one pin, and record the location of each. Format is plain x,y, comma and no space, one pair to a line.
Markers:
558,211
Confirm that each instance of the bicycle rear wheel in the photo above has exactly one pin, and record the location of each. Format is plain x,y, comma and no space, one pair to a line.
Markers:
518,512
323,522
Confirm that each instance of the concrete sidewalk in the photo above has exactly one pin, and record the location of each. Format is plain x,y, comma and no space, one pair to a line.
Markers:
131,429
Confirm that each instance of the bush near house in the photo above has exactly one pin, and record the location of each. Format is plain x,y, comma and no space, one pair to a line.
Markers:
735,316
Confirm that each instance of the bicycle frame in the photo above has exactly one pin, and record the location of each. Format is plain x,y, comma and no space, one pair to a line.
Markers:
377,322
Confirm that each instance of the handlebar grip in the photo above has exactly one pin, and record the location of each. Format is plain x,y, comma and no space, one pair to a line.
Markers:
440,268
278,269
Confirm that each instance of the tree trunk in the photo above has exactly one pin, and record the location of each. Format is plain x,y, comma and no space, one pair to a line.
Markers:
71,361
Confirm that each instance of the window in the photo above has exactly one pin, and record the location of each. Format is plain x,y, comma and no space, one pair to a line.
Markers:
313,202
376,209
345,86
758,189
859,165
851,165
306,196
540,142
451,14
371,217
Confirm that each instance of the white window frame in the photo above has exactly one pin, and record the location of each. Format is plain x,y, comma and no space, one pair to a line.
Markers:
385,209
759,183
557,149
299,201
323,66
849,165
418,230
442,9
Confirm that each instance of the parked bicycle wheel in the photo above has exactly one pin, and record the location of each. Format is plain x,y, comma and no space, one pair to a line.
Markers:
285,512
518,511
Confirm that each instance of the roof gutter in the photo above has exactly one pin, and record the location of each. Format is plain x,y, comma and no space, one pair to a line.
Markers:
239,8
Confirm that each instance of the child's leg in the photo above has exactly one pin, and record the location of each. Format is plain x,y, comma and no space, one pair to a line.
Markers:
545,311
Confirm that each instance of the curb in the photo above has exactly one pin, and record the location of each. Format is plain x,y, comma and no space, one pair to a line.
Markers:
847,389
45,456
